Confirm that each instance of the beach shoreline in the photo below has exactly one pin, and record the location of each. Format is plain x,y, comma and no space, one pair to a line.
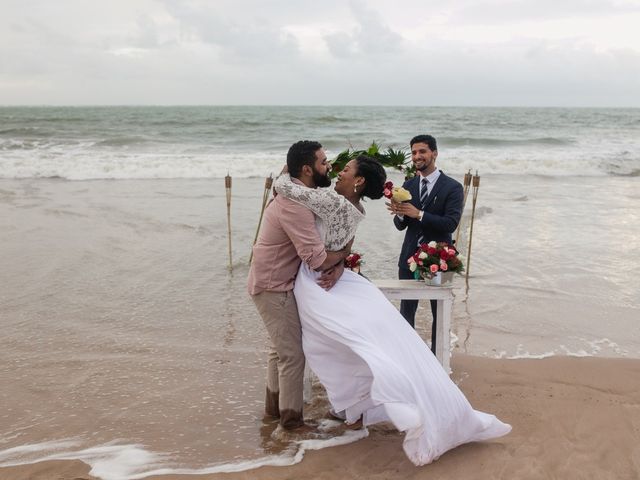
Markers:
571,417
122,323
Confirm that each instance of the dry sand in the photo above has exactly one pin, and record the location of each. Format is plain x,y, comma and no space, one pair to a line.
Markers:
573,418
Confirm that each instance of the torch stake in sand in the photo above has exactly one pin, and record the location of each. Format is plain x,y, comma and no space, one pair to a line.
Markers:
467,182
268,183
227,186
476,186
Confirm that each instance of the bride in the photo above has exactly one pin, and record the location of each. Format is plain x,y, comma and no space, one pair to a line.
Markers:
372,364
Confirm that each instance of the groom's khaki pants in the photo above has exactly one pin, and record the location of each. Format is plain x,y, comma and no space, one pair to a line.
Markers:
285,367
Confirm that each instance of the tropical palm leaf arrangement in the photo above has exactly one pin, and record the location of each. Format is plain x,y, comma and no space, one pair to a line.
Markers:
389,158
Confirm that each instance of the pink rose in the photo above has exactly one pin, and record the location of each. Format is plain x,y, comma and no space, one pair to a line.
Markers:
443,266
433,268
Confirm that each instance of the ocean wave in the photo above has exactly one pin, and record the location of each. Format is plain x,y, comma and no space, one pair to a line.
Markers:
623,165
331,119
111,162
44,146
242,123
208,142
453,142
25,131
632,173
16,145
123,141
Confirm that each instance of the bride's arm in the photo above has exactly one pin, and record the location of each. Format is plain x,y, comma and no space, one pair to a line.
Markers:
323,202
339,215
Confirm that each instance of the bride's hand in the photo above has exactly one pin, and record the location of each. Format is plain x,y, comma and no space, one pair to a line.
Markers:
330,276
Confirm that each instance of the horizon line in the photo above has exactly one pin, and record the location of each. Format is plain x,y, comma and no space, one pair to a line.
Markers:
169,105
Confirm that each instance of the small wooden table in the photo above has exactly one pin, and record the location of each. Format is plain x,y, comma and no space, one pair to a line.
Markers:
415,290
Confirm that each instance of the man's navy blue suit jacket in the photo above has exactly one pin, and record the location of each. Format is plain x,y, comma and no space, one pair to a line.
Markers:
442,214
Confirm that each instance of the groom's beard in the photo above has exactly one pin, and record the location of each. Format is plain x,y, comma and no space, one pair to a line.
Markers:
321,180
424,165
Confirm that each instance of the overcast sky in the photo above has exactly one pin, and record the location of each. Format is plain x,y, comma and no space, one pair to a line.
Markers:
320,52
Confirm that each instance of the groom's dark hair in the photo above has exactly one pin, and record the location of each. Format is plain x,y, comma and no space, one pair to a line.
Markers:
301,153
428,139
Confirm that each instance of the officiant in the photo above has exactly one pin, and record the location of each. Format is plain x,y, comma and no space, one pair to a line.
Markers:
432,214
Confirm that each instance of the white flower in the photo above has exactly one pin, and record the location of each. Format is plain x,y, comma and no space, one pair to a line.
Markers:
422,255
432,244
413,266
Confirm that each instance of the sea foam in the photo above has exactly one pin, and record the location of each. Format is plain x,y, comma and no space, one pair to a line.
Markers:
114,461
88,165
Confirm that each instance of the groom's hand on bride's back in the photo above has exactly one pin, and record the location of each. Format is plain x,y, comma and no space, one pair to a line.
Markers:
329,277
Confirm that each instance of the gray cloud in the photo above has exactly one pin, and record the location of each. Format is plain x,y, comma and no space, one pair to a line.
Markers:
146,35
249,52
239,37
371,36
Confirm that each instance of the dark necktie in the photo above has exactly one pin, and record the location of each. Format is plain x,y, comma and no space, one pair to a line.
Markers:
424,193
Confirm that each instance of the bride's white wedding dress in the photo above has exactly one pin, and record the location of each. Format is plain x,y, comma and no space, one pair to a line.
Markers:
370,361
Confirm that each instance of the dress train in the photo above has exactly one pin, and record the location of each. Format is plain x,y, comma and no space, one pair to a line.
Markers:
372,363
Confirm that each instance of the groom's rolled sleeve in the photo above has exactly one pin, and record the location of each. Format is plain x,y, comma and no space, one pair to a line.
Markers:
300,226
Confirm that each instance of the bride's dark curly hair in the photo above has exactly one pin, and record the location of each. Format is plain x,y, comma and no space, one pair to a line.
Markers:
374,176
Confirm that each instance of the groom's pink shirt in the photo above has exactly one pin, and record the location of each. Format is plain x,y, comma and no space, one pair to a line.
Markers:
288,236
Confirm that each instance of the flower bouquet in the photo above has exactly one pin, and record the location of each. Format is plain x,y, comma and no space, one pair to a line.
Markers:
353,262
435,262
397,194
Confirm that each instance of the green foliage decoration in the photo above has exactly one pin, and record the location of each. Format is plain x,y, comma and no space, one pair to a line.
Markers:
398,159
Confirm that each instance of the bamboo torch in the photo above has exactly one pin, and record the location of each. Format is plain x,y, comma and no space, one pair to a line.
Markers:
476,186
227,186
268,183
467,182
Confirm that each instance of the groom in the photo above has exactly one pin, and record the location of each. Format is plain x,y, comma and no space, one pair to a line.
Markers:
289,236
432,214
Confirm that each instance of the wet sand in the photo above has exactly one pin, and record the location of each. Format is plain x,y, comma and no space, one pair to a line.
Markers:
573,418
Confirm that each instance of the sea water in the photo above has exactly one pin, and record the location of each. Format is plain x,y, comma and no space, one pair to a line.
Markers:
129,343
208,142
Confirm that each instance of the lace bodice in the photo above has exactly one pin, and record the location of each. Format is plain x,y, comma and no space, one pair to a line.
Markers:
339,216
